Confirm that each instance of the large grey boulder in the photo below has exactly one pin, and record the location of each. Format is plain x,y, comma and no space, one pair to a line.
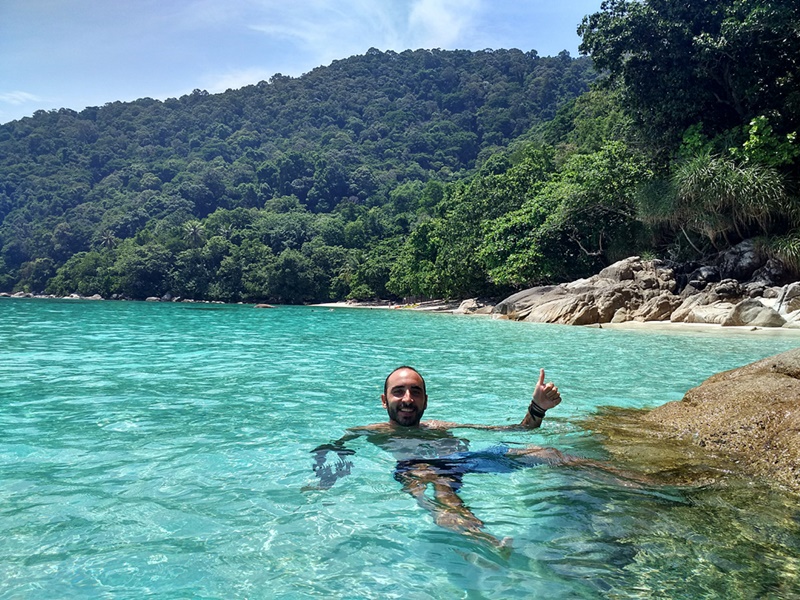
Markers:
517,306
557,309
617,290
702,276
753,313
659,308
712,305
772,273
792,321
623,270
710,314
691,305
467,306
473,306
788,298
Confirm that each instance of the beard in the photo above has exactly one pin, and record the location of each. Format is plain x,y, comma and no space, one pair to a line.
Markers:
405,418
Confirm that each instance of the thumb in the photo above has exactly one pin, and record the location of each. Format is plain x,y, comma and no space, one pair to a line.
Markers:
541,378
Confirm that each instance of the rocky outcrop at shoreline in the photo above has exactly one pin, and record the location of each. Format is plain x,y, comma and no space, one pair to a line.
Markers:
751,413
740,289
164,298
738,424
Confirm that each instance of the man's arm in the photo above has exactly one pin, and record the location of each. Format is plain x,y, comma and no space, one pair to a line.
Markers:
328,474
545,397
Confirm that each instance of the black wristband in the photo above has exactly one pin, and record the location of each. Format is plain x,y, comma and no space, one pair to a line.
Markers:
535,411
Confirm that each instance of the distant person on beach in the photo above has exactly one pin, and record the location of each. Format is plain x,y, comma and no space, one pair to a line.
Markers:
428,454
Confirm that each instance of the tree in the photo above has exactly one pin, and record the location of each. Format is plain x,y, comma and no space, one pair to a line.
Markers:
294,279
582,219
723,62
142,271
336,142
720,199
35,274
193,233
85,273
107,240
373,271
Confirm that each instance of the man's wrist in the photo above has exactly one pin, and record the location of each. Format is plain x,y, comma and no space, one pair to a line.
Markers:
536,411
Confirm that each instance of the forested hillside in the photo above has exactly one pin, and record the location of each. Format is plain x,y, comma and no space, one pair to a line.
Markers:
292,190
426,173
687,146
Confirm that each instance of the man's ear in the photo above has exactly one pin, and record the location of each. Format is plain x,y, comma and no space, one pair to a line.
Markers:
425,404
386,405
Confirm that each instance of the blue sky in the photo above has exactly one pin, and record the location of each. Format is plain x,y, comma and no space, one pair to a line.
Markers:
78,53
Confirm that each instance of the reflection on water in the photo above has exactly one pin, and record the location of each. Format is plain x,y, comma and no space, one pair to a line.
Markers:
158,450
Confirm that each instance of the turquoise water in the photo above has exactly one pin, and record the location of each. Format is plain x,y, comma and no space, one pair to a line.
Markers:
161,450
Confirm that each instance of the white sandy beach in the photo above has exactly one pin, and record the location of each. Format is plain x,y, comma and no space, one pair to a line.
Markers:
666,326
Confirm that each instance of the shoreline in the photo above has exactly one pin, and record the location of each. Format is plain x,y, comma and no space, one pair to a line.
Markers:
429,305
713,327
443,306
665,326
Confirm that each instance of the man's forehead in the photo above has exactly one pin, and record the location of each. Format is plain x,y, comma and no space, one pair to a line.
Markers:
405,377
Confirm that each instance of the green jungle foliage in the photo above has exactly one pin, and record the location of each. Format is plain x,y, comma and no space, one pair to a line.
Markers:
293,190
713,89
427,173
686,147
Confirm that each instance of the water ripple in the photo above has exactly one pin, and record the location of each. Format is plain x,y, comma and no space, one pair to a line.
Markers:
163,450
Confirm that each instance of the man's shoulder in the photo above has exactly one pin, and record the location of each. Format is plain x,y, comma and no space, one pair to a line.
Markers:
371,427
438,424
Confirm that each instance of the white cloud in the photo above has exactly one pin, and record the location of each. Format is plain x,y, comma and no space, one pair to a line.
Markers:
16,98
441,23
337,29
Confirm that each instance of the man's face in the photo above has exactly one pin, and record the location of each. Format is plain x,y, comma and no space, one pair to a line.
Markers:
405,399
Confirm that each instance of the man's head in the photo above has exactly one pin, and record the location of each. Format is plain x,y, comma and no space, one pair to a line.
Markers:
404,396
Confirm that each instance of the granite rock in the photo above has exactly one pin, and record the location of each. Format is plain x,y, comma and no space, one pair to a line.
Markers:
751,413
753,313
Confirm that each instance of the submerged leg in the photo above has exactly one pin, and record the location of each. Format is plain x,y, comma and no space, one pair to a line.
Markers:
535,455
446,506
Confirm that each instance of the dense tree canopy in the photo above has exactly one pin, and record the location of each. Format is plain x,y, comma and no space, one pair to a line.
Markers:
425,173
221,196
721,62
713,89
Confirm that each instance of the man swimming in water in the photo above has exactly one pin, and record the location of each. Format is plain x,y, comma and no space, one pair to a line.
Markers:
429,455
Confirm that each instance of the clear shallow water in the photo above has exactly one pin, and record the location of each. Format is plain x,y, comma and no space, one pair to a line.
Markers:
162,449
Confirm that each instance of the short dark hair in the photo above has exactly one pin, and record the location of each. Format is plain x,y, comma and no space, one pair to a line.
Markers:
386,382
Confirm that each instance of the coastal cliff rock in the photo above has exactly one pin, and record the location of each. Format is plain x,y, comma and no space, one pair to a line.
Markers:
751,414
622,288
740,288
